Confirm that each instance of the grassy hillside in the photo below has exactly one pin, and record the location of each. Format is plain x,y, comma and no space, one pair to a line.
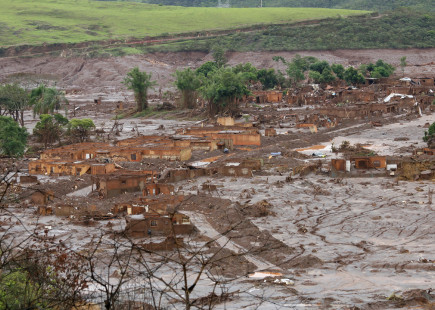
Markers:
402,28
342,4
63,21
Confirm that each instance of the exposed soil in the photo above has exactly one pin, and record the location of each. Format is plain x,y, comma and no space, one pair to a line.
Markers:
103,76
343,242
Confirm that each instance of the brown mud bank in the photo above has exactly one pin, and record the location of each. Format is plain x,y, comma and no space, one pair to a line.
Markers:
104,75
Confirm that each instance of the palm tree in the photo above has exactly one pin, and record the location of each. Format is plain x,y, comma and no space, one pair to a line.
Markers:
46,100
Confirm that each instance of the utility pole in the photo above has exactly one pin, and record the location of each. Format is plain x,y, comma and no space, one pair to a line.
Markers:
261,3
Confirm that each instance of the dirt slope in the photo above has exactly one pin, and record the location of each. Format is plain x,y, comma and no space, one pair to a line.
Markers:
104,75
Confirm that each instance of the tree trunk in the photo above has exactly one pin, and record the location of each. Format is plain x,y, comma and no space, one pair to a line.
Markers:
22,118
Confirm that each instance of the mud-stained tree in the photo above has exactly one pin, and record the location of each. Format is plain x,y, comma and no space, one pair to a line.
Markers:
188,83
403,64
46,100
49,129
140,83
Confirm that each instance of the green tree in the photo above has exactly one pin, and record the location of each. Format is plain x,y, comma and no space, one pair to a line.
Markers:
352,76
338,70
315,76
249,72
268,78
13,138
219,56
320,66
46,100
139,82
80,129
295,74
187,82
297,67
429,135
223,90
403,64
13,101
49,129
206,68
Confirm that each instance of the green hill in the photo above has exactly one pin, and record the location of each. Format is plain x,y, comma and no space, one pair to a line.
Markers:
62,21
403,28
372,5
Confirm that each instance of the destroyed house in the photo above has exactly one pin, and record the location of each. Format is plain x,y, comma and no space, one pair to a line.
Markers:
369,162
136,154
143,225
354,96
79,151
426,81
41,197
420,169
113,185
270,96
158,189
424,151
162,205
60,167
238,135
173,142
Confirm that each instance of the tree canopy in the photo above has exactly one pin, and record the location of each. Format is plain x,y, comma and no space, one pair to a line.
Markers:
49,128
46,100
352,76
223,89
13,101
79,129
429,135
188,82
13,138
140,83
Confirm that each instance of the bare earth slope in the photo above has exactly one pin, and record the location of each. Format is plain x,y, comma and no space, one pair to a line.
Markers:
104,75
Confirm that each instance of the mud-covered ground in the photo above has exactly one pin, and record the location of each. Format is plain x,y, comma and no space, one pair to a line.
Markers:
355,241
341,243
103,76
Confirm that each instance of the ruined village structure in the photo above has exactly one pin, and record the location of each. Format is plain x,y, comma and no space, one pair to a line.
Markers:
316,196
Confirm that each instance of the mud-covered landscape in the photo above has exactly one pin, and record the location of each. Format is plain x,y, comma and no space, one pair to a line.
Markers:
315,196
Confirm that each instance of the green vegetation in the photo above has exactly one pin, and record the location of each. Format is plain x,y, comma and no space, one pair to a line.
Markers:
322,72
13,138
344,4
62,21
352,76
46,100
219,56
297,67
188,83
13,101
139,83
79,129
49,129
429,135
223,89
402,28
